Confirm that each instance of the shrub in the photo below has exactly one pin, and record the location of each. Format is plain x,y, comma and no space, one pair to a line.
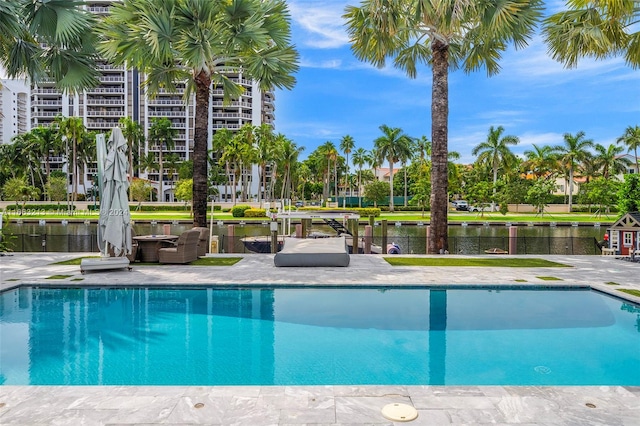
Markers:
255,213
238,211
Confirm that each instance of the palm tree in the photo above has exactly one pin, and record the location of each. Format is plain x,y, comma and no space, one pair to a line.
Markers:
392,146
609,161
134,134
360,159
346,145
148,163
266,152
49,142
328,152
540,160
444,34
25,156
631,138
289,153
161,135
221,140
595,29
571,153
72,129
423,144
495,151
49,40
207,38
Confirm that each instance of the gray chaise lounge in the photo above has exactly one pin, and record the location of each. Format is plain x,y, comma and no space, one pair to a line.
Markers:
313,252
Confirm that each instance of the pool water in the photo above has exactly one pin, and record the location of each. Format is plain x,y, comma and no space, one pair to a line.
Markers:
294,336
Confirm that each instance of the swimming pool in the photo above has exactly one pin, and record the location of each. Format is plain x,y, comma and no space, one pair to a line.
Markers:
294,336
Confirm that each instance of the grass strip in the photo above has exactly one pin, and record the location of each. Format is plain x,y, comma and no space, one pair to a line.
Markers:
58,277
203,261
549,278
516,262
216,261
630,291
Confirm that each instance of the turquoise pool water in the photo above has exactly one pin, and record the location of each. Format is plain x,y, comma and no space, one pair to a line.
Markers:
287,336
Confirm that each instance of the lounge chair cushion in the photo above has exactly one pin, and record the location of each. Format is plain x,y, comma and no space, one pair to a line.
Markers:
313,252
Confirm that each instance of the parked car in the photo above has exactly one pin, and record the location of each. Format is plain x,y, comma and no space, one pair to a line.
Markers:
461,205
299,203
480,209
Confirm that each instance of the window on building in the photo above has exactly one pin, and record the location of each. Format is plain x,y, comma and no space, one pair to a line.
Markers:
627,239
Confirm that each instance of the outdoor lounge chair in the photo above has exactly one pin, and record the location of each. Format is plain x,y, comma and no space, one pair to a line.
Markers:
203,241
184,251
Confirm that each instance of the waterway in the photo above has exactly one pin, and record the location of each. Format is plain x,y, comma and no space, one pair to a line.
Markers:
463,239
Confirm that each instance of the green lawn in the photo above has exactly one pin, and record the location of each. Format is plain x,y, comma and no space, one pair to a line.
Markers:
453,217
493,262
203,261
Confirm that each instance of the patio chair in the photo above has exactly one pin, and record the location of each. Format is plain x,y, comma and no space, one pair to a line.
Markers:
184,251
203,241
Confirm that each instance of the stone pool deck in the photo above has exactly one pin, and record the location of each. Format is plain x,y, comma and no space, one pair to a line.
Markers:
320,405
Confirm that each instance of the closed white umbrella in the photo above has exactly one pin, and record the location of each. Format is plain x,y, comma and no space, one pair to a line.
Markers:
114,224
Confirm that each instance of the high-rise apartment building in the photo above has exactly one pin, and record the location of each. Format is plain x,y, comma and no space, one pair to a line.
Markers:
120,94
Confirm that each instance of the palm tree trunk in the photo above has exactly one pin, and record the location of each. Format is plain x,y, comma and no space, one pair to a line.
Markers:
390,185
438,237
570,188
200,152
405,184
360,188
161,180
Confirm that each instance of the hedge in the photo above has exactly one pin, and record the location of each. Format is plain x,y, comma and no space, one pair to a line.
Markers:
255,213
238,211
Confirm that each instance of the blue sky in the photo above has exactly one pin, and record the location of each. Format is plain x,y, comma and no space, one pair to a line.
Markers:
533,97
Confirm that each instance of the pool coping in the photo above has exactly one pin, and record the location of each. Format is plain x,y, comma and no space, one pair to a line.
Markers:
325,405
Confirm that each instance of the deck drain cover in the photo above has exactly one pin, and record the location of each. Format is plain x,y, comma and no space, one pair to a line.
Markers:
198,405
399,412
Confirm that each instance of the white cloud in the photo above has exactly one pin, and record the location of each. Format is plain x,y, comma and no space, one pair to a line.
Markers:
540,139
535,65
329,63
322,23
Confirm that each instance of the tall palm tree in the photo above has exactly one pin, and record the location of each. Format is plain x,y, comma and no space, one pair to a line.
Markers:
289,153
495,151
598,29
53,40
148,163
207,38
329,152
631,138
572,153
393,145
73,129
360,159
444,34
346,145
161,135
134,134
609,161
423,144
266,152
540,160
25,155
221,140
49,142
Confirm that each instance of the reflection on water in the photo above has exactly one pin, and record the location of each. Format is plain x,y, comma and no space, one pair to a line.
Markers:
80,237
284,336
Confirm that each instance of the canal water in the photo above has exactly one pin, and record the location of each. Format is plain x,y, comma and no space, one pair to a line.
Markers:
471,239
